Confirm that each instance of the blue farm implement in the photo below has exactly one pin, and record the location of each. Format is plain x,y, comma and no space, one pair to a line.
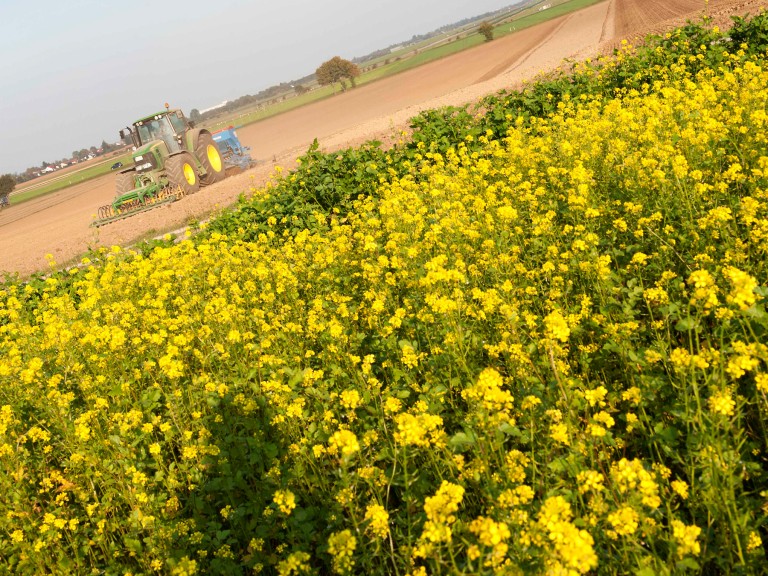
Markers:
236,156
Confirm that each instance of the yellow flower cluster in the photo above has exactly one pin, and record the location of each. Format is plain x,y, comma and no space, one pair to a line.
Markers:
341,547
572,548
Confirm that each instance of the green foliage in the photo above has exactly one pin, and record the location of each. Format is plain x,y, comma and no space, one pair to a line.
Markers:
337,70
441,129
750,33
7,184
486,30
323,186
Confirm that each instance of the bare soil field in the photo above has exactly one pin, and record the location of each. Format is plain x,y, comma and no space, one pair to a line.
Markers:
59,223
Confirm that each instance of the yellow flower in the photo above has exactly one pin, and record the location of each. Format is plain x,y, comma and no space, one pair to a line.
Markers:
742,294
345,442
624,521
761,382
572,548
629,476
418,430
590,481
296,563
445,502
285,500
488,531
681,488
559,432
686,538
378,520
754,542
556,327
597,396
721,403
341,547
350,399
392,405
494,535
704,289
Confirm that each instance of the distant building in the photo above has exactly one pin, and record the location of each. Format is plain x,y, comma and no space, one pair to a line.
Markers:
215,107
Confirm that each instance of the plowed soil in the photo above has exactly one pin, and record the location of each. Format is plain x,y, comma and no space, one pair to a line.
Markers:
59,224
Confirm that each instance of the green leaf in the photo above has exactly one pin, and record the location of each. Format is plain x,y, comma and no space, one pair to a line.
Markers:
133,544
688,564
685,324
462,440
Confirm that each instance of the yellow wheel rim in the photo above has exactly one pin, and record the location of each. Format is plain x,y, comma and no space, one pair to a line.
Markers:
214,158
189,174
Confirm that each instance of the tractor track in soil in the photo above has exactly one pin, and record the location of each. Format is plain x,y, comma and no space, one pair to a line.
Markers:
59,223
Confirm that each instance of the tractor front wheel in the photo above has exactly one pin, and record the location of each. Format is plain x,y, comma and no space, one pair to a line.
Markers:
124,183
209,156
181,172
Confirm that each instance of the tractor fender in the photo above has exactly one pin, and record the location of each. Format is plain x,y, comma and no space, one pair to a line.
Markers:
191,139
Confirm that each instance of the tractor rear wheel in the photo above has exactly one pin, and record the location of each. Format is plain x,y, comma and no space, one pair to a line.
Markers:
210,157
124,183
181,172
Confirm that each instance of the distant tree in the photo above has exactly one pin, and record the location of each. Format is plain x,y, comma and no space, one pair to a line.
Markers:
337,70
7,184
486,29
93,150
195,115
300,89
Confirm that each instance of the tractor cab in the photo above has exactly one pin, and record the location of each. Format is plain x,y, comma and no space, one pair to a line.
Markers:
168,126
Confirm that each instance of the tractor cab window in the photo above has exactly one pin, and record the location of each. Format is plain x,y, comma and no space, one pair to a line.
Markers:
158,129
177,120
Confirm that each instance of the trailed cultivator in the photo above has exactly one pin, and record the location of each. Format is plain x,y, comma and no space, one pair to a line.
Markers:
151,198
171,158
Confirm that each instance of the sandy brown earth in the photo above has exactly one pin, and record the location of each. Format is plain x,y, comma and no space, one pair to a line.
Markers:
59,224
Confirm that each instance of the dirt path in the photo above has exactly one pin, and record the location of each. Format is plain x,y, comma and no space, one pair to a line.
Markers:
58,224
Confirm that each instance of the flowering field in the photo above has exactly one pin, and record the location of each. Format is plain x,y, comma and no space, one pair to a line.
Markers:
531,342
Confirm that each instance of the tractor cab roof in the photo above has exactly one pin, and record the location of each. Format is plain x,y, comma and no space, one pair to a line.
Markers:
155,115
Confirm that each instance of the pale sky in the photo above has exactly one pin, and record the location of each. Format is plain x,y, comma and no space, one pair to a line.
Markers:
73,72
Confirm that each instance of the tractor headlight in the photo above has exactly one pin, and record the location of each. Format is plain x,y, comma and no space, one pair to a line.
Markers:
139,158
145,166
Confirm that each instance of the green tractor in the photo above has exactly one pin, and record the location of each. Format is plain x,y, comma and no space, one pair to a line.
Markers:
171,158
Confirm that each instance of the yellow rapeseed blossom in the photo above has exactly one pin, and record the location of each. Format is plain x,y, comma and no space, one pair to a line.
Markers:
686,538
742,294
341,547
556,326
418,430
344,442
572,548
624,522
285,501
378,520
722,403
296,563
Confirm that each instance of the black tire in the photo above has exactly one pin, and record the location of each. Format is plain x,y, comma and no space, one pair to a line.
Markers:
124,183
210,158
181,171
